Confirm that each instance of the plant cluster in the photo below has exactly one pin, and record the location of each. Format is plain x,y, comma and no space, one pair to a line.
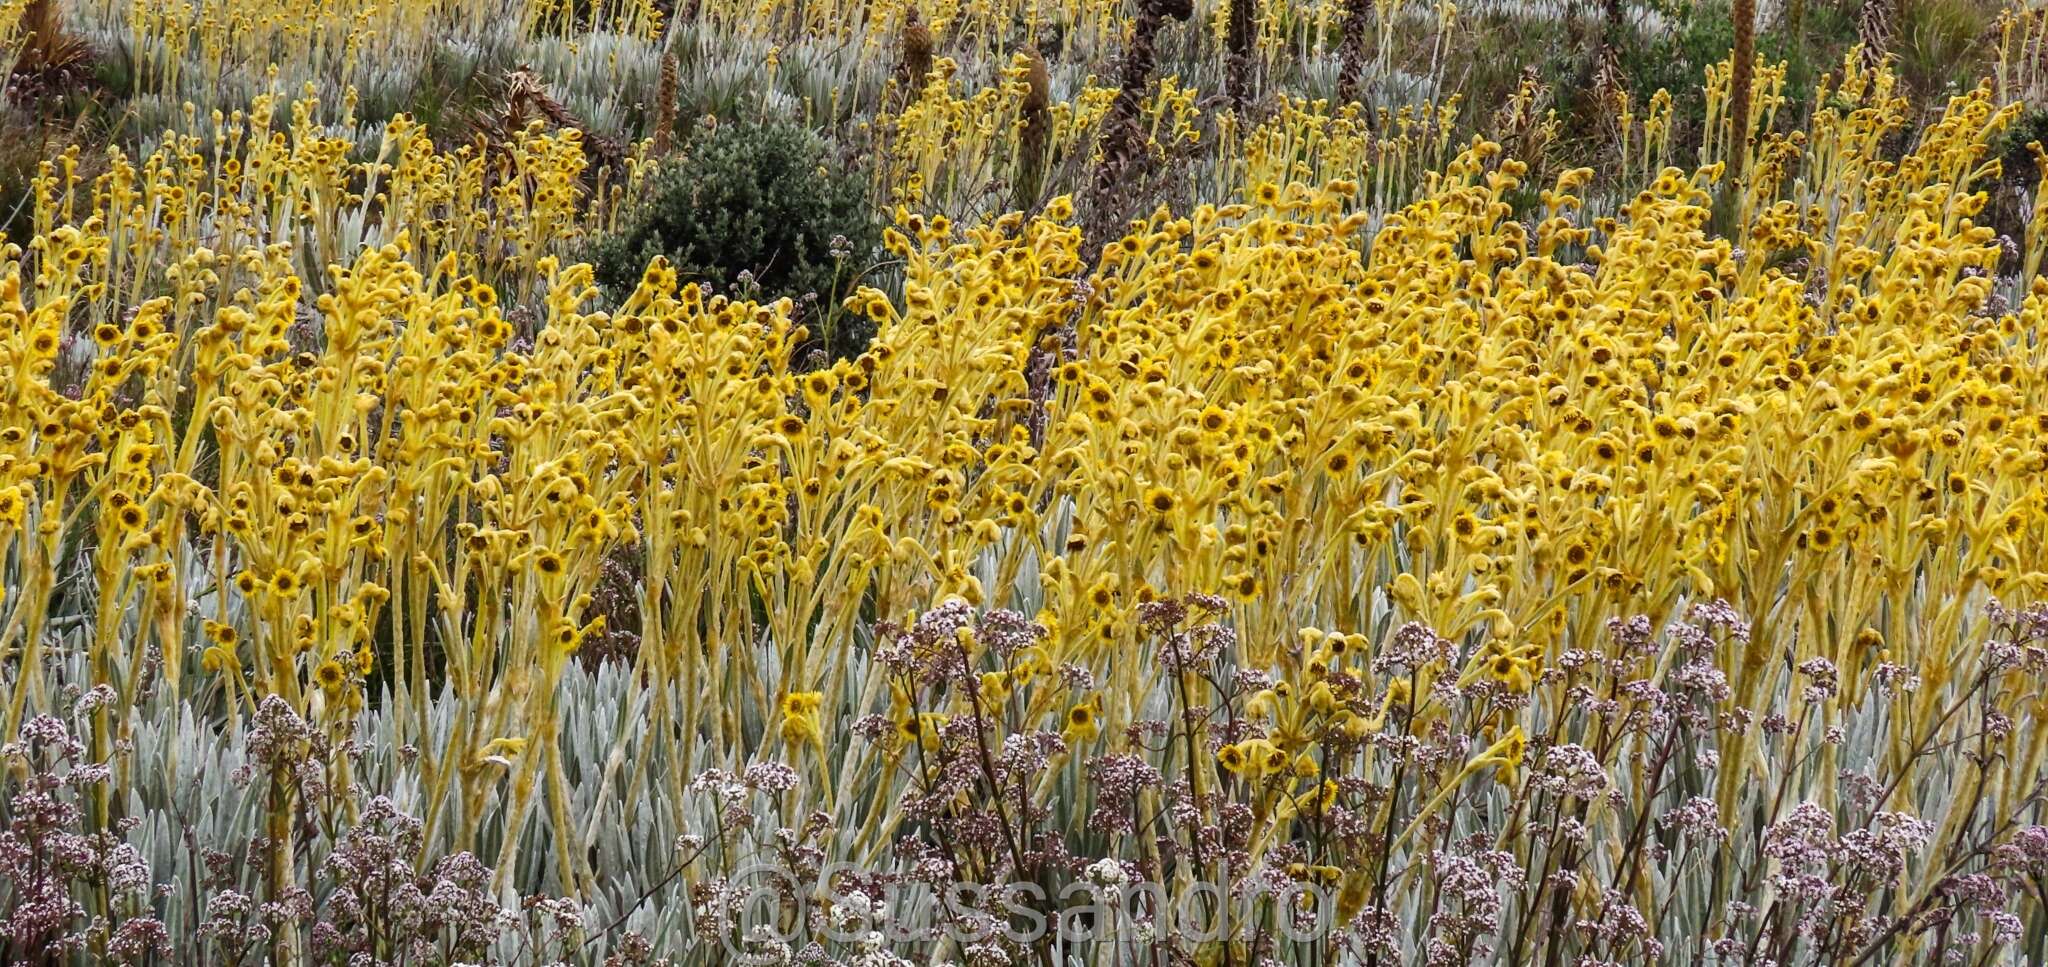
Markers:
1398,546
760,207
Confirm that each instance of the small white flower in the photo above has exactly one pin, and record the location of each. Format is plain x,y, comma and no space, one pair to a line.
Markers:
852,909
1108,872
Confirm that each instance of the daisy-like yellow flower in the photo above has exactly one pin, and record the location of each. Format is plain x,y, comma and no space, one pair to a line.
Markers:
330,676
800,725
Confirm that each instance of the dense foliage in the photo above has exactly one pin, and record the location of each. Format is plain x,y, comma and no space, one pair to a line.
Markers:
764,203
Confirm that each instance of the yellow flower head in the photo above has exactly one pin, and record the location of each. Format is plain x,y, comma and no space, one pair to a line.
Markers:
800,723
1083,724
331,676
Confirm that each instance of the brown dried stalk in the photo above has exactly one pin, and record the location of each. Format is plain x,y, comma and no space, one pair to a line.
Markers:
1123,130
524,99
1876,23
1351,51
1240,42
1740,82
665,107
914,62
1035,133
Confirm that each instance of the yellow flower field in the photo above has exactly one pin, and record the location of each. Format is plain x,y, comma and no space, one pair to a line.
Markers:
1387,549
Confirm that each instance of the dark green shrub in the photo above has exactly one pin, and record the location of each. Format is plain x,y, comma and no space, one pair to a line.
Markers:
1691,35
2010,206
764,208
2010,146
1674,56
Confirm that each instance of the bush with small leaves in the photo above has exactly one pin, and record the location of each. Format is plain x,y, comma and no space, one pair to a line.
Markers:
761,208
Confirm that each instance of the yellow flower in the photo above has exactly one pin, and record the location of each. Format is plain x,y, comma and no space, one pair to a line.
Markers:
12,508
800,725
1305,767
284,583
923,728
1082,724
1506,754
1510,671
1254,758
1318,800
1160,499
331,676
131,518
